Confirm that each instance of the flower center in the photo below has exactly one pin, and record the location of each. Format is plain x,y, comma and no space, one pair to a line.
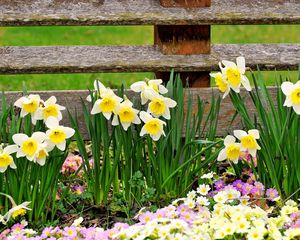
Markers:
51,111
233,76
126,114
157,106
42,154
221,84
295,96
57,136
153,126
248,141
31,106
5,160
19,212
29,147
233,152
108,104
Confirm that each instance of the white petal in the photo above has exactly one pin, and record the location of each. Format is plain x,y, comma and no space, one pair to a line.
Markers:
149,93
254,133
288,102
241,64
20,153
145,117
13,165
10,149
61,107
19,138
226,92
229,140
115,121
252,152
3,169
137,120
138,86
52,122
125,126
89,98
229,64
235,161
23,113
144,100
96,108
107,115
222,155
50,101
246,83
69,132
297,108
155,81
162,89
155,137
287,88
143,131
166,114
98,85
170,102
50,145
39,114
239,133
61,146
19,102
39,136
41,161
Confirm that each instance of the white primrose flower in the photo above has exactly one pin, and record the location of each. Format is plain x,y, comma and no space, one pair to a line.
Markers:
221,83
125,114
98,87
29,105
6,159
160,106
107,104
235,74
148,88
203,189
29,146
57,134
77,222
232,150
292,93
248,140
153,126
50,109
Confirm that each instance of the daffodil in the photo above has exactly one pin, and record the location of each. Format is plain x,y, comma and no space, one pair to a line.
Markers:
50,109
29,146
232,150
153,126
148,88
57,134
107,104
6,159
160,106
221,83
125,114
29,105
248,140
98,88
235,74
42,153
292,92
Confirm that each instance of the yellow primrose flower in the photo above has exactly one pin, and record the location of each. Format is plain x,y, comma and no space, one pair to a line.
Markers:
107,104
29,105
160,106
232,150
221,83
50,109
235,74
29,146
126,114
292,93
148,88
6,159
248,140
153,126
57,134
99,88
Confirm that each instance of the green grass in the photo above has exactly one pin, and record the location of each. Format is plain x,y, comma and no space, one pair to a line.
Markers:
111,35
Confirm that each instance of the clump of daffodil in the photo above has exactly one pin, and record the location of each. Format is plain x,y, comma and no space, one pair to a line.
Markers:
221,83
107,104
29,105
6,160
160,106
248,140
153,126
98,89
125,114
232,150
292,93
148,88
57,135
50,108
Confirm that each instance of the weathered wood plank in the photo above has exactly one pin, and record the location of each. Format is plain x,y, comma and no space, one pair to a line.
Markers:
71,99
78,59
145,12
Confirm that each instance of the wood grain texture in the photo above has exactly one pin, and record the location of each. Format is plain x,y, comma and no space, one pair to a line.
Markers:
185,3
145,12
72,100
79,59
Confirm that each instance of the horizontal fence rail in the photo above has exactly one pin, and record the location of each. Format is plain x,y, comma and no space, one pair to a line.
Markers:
146,12
79,59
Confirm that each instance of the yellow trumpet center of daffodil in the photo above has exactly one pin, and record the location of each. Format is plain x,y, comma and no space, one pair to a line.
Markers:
126,114
108,104
19,212
248,141
57,136
51,111
29,147
153,126
42,154
31,106
221,84
233,151
295,96
5,160
233,76
157,106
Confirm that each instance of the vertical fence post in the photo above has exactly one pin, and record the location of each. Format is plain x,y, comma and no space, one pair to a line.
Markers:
184,40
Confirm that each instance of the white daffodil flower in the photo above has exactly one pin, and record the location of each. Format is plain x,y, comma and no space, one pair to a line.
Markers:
153,126
50,109
221,83
57,134
98,87
29,105
248,140
292,93
107,104
29,146
125,114
232,150
42,153
160,106
6,159
235,74
148,88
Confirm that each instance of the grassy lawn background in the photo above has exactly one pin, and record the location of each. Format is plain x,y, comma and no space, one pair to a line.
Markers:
111,35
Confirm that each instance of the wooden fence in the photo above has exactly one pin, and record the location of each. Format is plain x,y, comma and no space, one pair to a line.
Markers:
182,40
